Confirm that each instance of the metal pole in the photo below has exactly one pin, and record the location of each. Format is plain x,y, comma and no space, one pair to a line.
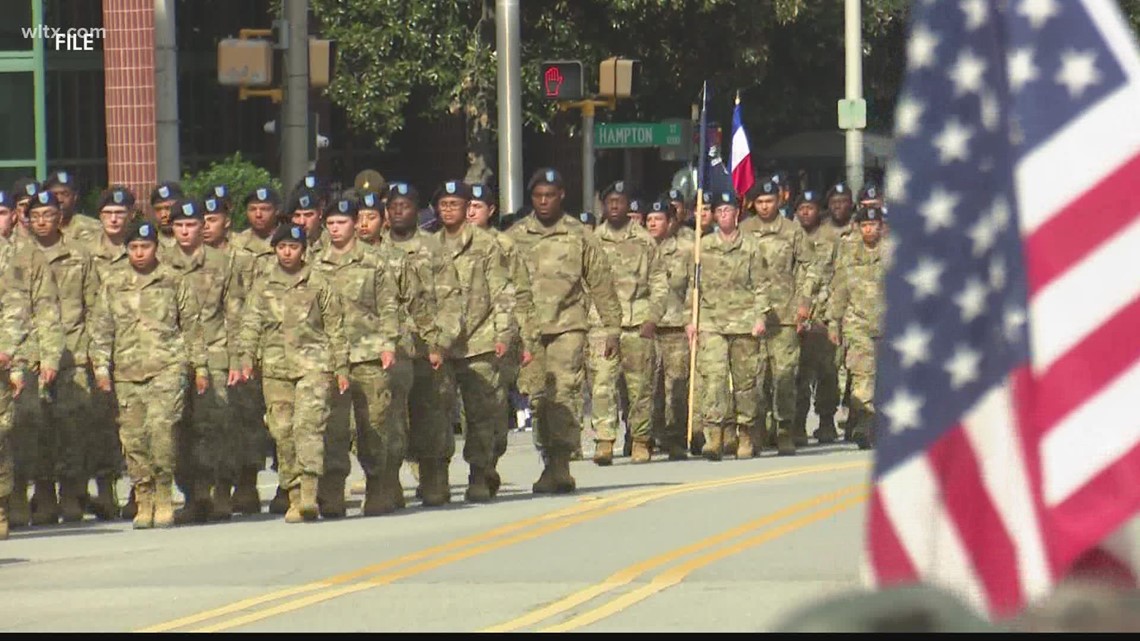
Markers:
510,104
166,91
295,108
853,43
588,157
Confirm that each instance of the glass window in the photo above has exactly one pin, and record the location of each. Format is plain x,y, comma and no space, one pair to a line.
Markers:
15,20
18,126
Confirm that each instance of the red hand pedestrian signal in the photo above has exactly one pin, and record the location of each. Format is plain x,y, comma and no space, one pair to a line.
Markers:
553,82
562,80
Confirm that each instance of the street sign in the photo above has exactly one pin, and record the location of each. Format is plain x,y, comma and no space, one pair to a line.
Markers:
626,135
852,114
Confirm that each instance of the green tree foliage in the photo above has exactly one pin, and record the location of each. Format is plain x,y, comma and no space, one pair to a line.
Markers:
235,172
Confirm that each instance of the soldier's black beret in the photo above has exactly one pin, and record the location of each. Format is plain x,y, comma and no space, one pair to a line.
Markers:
290,232
809,196
303,199
60,178
186,208
166,191
263,194
44,198
839,189
868,214
768,187
661,206
718,198
870,191
371,200
142,230
617,187
343,207
456,188
6,200
403,190
545,176
483,193
117,196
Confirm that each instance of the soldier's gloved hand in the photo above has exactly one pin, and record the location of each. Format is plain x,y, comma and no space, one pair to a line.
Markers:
648,329
500,350
833,336
759,328
527,357
341,383
247,373
234,378
436,360
103,381
201,383
612,347
387,359
16,379
802,314
47,376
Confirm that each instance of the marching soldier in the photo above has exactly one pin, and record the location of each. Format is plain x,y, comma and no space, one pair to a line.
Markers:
293,332
15,319
855,312
141,335
216,219
161,200
840,206
675,256
370,223
563,259
684,221
636,212
794,281
641,287
734,314
72,223
368,281
23,191
304,209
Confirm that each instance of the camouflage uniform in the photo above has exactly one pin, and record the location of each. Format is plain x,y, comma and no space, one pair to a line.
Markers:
208,442
141,333
856,310
367,281
672,370
626,379
817,370
484,275
563,260
67,409
15,318
292,332
794,281
510,364
82,229
844,235
735,279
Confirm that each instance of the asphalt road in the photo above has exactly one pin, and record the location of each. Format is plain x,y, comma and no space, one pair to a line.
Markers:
668,546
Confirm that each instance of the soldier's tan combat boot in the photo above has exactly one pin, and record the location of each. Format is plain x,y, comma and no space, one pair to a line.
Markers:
714,442
293,512
19,514
785,440
477,490
46,510
105,504
744,449
70,510
395,488
222,508
678,452
309,508
641,452
564,483
3,518
194,509
131,507
144,506
434,488
280,502
545,483
163,503
603,453
730,440
826,433
377,501
245,498
494,482
330,497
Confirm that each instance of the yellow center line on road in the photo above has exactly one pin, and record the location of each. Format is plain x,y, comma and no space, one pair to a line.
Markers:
627,575
675,575
562,518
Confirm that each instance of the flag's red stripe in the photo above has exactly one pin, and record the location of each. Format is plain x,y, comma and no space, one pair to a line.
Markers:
1082,226
1090,365
888,557
977,521
1024,393
1103,567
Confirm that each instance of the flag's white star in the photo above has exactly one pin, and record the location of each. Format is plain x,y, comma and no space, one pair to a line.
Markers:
925,277
983,234
908,115
1078,71
938,210
920,48
897,177
963,366
1020,68
976,13
967,73
952,142
999,213
1012,322
1038,12
971,300
997,274
904,411
991,111
913,345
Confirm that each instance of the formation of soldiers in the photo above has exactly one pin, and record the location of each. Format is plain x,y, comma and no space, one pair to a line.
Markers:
157,341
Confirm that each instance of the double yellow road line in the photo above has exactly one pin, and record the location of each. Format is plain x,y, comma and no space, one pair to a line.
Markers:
262,607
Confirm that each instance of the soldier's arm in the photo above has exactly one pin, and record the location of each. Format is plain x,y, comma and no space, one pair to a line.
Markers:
840,294
15,313
524,303
332,316
761,274
191,328
387,305
658,286
420,299
233,297
599,279
249,332
45,312
91,286
502,294
807,271
101,332
449,297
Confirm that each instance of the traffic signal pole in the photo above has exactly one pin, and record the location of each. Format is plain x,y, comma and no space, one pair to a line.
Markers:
295,135
509,88
588,107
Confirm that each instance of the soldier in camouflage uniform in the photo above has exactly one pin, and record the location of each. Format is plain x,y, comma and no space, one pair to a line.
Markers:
682,221
563,259
432,397
794,282
368,282
216,219
370,218
304,209
253,255
67,394
855,312
292,332
15,318
675,257
161,200
73,224
484,271
840,206
141,335
817,354
207,464
734,313
626,379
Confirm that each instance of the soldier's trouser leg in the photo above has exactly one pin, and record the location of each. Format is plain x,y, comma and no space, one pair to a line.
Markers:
338,433
298,412
213,440
637,358
861,365
673,359
146,417
781,355
817,370
532,386
559,408
508,378
7,460
431,435
251,432
602,374
380,404
69,412
42,435
104,454
727,381
485,402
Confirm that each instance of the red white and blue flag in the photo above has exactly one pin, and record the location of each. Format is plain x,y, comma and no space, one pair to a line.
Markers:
741,155
1008,452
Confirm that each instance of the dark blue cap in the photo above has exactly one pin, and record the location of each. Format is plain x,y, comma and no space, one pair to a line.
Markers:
291,232
142,230
6,200
215,205
184,208
117,196
342,207
263,194
44,198
166,191
370,200
483,193
719,198
868,214
403,190
545,176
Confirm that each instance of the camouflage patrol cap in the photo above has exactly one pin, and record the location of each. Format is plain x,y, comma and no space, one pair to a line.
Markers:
288,232
186,209
117,196
545,176
141,230
809,197
60,178
343,207
870,214
403,190
44,198
483,193
169,190
371,201
263,194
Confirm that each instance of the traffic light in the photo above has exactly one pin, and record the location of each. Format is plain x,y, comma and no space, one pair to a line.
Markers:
562,80
618,77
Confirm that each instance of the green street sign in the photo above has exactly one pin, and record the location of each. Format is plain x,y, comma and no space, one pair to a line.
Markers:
625,135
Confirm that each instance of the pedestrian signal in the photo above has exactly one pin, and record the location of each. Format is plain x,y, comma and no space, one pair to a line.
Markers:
562,80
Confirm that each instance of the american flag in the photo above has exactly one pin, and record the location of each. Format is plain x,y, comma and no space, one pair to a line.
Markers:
1008,452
